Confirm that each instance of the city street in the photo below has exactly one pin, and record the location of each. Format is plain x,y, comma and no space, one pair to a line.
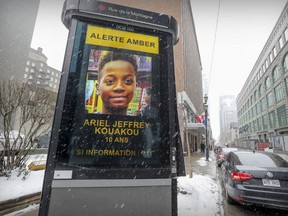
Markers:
214,172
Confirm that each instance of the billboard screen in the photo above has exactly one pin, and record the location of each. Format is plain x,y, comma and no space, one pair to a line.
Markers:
115,119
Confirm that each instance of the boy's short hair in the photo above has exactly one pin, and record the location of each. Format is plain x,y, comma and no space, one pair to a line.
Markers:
114,56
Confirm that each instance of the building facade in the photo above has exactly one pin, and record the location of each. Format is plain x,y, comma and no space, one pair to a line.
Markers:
187,64
17,21
37,72
227,115
263,101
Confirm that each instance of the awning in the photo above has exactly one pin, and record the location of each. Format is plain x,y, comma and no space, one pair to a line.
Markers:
195,125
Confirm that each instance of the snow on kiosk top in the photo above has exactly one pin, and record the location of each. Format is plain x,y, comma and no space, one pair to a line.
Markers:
119,14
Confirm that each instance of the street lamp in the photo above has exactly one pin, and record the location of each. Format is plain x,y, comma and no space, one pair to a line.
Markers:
205,105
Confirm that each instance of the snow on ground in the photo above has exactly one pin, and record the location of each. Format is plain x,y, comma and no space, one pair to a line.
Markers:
14,186
198,195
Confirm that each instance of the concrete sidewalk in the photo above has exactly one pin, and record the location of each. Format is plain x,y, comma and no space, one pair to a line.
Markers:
199,165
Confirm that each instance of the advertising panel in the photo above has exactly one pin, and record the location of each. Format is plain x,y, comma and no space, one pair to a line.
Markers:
117,120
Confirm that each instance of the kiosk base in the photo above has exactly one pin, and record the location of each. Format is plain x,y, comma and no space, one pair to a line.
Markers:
127,197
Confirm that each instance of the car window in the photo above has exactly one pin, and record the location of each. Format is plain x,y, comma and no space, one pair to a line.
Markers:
225,150
261,160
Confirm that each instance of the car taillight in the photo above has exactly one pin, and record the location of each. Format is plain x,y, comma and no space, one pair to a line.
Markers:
240,176
221,156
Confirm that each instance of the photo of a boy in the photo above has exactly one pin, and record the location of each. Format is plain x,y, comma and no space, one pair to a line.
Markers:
116,82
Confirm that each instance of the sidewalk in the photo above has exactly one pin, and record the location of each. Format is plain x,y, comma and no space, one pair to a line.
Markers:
199,164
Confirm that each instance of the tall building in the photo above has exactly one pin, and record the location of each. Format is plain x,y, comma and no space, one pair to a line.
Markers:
37,71
17,21
263,101
227,115
187,64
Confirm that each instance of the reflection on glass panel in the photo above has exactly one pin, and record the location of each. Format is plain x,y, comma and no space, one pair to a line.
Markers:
270,99
259,123
264,104
279,93
265,122
282,119
276,74
272,119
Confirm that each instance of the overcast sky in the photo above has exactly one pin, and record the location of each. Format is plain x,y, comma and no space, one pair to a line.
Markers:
242,30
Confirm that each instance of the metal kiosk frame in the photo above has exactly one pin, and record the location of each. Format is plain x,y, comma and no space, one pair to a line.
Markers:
109,180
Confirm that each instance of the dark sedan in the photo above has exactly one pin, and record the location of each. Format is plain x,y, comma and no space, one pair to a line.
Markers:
259,178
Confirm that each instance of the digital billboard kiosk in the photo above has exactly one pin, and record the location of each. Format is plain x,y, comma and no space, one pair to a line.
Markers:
115,147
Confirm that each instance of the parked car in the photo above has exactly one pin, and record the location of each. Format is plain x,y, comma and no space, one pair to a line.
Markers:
43,141
259,178
222,152
217,147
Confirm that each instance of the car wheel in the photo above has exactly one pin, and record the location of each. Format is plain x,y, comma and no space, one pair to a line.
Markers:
229,198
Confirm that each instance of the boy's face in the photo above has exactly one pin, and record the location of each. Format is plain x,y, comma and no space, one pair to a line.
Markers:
117,85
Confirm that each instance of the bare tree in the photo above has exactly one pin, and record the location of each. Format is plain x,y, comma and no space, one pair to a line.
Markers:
26,111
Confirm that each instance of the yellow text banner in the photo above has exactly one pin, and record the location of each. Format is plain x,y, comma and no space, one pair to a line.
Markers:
122,39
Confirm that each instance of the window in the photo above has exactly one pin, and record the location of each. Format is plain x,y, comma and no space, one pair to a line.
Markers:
41,64
279,93
265,122
274,52
255,125
266,64
263,70
286,84
254,111
261,90
285,63
282,118
271,57
26,69
255,95
272,119
286,34
281,43
33,64
276,74
267,83
270,99
259,110
28,62
259,123
48,71
264,104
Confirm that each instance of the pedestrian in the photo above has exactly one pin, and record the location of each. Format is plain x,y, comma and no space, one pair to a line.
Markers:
116,82
202,147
